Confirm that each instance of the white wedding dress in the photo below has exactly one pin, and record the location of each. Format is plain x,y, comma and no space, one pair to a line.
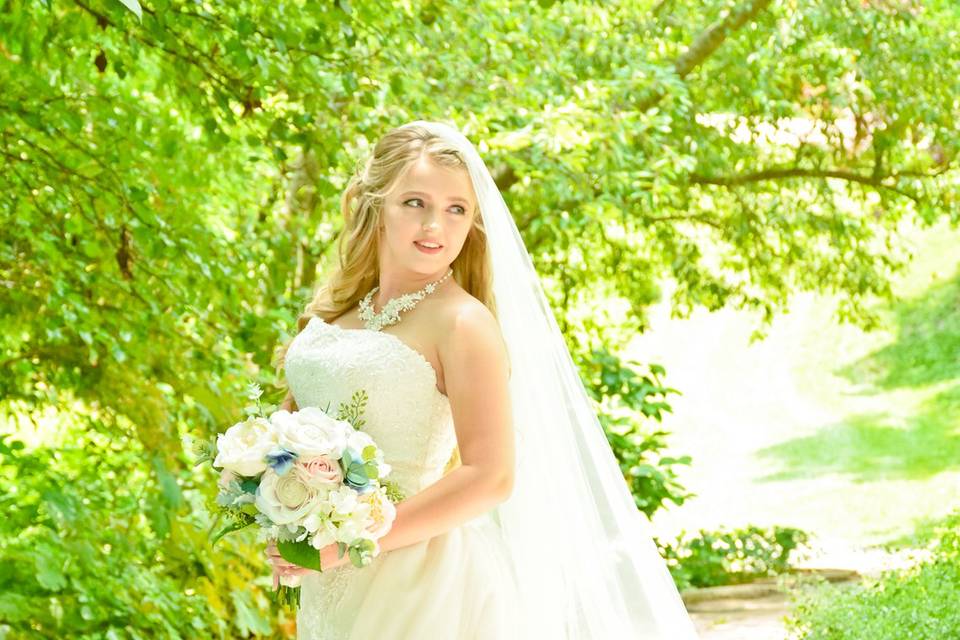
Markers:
455,586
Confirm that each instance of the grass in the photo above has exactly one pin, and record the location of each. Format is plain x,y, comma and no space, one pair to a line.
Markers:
820,426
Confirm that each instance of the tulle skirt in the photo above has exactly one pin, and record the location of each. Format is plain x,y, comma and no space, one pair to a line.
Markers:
455,586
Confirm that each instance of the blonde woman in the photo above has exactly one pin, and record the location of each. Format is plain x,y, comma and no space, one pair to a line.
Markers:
517,522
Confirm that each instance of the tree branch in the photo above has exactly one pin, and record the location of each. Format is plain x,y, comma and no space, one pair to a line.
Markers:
778,174
713,36
707,42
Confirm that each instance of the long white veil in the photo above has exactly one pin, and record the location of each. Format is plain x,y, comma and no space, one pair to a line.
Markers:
583,554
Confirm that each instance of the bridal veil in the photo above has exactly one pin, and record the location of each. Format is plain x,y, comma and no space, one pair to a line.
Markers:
583,555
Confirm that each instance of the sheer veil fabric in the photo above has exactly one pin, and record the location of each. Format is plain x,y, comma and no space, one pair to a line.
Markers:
583,555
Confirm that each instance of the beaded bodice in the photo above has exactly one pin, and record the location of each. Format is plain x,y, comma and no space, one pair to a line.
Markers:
406,415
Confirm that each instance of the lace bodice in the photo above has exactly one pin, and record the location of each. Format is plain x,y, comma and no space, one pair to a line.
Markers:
406,415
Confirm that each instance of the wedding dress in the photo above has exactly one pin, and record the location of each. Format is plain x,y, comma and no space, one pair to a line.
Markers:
455,586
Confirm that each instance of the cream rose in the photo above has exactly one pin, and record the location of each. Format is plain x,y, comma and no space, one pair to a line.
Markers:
287,499
242,447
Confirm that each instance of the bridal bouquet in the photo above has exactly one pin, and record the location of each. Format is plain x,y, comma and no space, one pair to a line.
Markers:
307,479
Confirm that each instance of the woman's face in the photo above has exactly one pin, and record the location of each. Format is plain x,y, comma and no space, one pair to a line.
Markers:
432,205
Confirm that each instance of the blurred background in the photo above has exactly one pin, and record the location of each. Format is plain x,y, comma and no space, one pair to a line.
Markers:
745,213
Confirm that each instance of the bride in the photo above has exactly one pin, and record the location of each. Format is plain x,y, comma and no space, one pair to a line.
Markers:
516,521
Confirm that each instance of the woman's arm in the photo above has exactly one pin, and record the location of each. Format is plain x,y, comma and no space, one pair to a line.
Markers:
289,403
475,369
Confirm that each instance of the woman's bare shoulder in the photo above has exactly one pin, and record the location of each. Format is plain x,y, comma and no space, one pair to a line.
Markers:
460,306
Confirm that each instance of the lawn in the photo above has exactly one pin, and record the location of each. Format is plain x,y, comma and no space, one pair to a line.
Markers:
851,435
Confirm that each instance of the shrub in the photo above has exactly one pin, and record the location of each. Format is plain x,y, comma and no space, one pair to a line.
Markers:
921,602
712,558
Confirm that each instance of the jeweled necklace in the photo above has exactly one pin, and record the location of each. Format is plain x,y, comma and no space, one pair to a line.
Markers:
390,314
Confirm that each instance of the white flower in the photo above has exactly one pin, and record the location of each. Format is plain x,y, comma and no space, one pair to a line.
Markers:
349,530
343,502
325,534
359,440
381,514
309,432
287,499
242,447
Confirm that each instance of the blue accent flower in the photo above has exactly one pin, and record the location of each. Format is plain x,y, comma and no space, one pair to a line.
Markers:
281,460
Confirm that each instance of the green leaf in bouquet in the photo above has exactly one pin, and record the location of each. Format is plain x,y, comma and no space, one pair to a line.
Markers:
361,552
249,485
352,411
254,391
235,525
300,553
369,452
202,449
357,474
394,493
372,470
268,409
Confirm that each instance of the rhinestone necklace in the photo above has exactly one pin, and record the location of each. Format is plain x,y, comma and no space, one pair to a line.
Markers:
390,314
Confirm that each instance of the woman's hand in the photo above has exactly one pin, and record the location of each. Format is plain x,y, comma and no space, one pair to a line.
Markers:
282,567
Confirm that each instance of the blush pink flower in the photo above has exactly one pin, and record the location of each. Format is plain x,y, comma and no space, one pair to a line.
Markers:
321,470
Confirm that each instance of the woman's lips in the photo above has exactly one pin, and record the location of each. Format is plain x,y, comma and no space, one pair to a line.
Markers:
428,249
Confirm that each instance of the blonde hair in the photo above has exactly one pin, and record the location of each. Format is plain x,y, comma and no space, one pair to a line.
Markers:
361,205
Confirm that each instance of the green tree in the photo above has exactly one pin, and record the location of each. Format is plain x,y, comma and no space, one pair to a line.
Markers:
172,181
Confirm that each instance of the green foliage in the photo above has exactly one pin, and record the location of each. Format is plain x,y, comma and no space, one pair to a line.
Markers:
926,346
352,410
712,558
300,553
626,402
900,414
394,493
922,600
172,177
92,548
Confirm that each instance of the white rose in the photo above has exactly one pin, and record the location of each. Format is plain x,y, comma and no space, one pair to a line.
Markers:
309,432
287,499
359,440
242,447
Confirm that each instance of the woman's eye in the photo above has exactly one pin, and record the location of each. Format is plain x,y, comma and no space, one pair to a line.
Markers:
460,210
